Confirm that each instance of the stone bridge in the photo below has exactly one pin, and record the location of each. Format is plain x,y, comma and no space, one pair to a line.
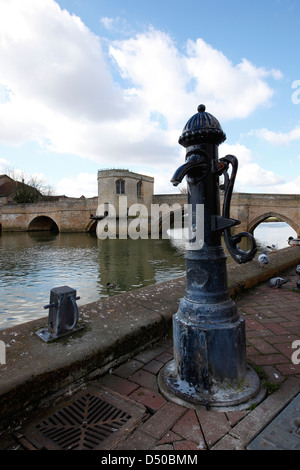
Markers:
252,209
64,215
73,215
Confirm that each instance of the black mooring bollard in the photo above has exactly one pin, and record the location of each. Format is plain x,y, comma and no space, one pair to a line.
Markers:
63,314
209,366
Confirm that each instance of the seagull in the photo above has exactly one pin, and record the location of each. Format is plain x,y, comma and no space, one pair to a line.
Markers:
273,247
263,259
277,282
109,285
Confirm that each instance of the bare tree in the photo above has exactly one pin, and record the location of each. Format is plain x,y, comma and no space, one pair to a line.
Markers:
29,188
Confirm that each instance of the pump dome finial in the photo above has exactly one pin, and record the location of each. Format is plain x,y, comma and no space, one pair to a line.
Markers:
202,128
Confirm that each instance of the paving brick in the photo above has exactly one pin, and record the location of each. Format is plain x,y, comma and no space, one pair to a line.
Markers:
153,366
149,354
277,329
253,324
214,425
152,400
289,338
293,327
187,445
290,316
188,427
165,357
267,359
128,368
169,437
267,321
145,379
273,375
259,334
235,416
249,310
285,348
163,447
163,420
250,351
137,441
262,346
118,384
267,312
227,443
289,368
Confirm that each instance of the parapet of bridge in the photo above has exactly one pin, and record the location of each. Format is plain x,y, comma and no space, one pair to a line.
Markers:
252,209
64,215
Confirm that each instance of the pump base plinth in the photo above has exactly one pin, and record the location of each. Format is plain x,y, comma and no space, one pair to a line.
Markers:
222,396
209,341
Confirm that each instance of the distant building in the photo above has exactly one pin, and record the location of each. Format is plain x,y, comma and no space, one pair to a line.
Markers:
14,192
8,188
115,183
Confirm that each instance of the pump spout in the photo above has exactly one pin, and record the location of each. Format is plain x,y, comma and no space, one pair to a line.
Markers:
194,161
180,174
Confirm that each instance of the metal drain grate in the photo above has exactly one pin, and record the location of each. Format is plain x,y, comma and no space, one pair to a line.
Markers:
93,420
84,424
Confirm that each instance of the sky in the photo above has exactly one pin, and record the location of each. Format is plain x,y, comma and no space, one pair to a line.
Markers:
87,85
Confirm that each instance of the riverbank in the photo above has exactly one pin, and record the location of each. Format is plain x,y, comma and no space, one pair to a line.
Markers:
115,330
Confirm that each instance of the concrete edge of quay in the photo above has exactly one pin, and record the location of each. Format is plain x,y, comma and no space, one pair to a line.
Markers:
114,330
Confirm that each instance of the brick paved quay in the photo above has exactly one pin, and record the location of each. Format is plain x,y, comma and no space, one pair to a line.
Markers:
272,325
272,319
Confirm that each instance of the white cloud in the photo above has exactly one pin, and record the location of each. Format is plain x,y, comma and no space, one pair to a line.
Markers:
54,67
84,184
107,22
52,57
230,91
117,24
250,174
289,187
59,89
278,138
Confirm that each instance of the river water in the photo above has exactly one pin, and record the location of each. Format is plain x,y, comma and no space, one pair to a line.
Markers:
32,263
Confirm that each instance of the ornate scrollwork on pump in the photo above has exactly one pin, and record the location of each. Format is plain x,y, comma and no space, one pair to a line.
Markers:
232,241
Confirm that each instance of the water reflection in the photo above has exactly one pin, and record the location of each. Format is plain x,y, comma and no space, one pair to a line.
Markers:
32,263
274,233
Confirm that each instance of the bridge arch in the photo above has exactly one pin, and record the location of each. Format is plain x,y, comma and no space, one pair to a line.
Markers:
255,222
42,223
91,226
164,217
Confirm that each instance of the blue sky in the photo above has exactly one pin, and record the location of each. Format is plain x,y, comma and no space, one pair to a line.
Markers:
94,84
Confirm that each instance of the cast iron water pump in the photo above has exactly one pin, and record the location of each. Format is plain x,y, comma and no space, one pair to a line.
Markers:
209,365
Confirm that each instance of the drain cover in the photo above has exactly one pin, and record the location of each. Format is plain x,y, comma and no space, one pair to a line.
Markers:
283,433
95,419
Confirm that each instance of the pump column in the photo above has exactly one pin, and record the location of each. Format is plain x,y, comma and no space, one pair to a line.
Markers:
209,366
